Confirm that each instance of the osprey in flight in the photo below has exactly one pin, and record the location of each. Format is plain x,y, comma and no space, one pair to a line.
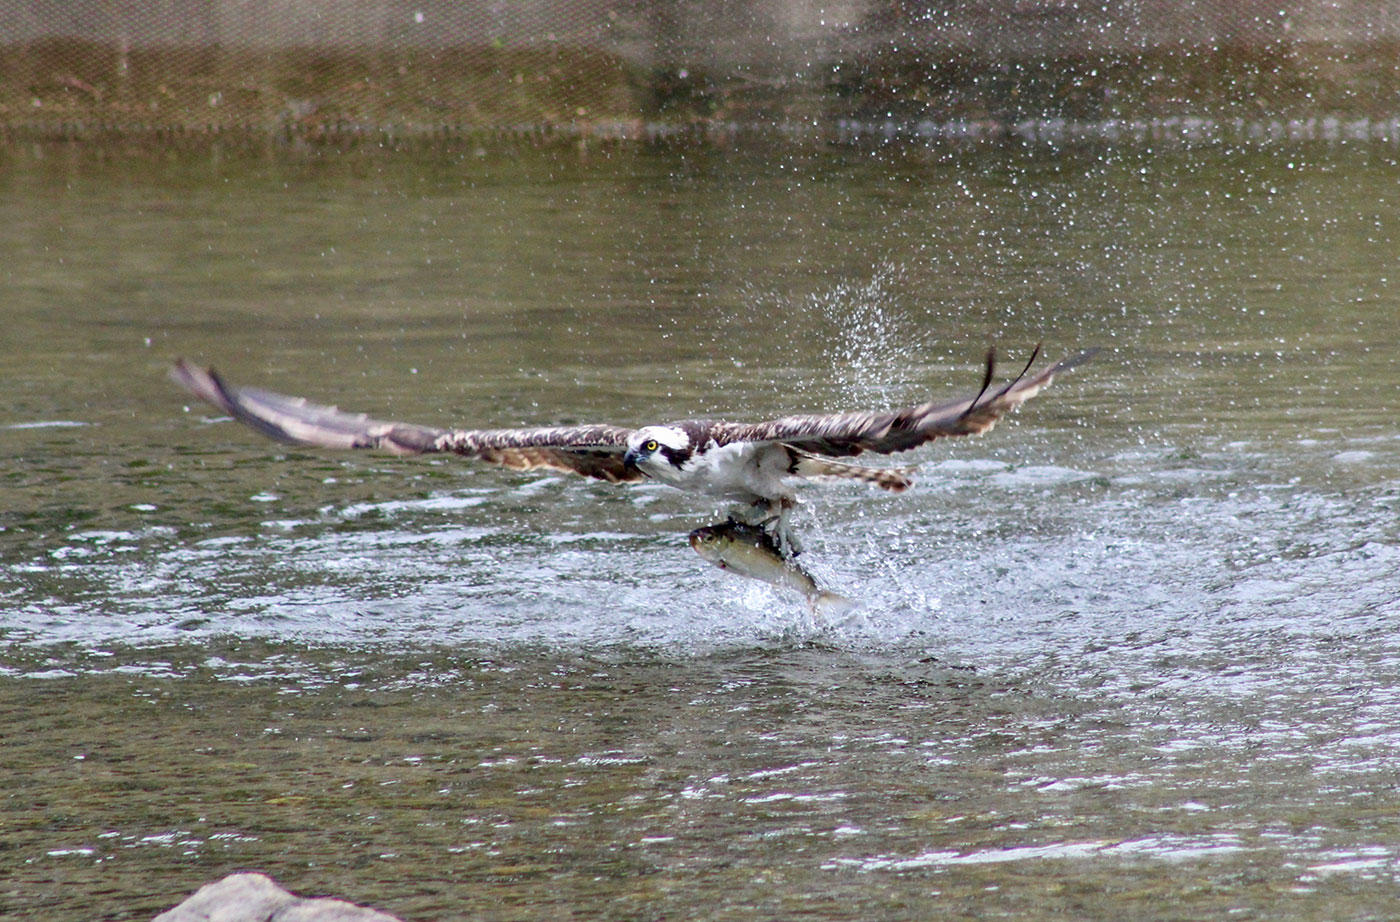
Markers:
747,463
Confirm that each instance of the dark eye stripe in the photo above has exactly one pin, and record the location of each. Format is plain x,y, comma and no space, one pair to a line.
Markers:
676,456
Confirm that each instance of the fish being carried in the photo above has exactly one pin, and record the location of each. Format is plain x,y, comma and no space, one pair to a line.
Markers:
750,550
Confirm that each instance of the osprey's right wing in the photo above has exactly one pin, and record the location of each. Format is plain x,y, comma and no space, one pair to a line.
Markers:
590,450
886,431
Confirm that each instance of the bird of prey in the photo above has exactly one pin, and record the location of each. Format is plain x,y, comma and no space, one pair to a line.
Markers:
751,464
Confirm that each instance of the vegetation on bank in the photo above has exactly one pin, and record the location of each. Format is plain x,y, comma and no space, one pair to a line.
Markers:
74,88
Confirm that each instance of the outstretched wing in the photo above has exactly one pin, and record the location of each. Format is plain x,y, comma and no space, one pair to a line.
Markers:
594,451
846,434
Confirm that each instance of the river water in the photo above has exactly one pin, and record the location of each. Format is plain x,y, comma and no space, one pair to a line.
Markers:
1132,655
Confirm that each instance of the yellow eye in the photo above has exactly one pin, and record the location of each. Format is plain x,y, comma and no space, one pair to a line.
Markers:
650,445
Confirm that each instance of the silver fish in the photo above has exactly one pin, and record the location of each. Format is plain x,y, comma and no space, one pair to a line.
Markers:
751,551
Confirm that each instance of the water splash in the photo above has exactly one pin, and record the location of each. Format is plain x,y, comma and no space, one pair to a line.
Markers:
871,336
871,345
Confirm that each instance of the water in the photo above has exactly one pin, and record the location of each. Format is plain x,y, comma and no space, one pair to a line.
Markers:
1131,655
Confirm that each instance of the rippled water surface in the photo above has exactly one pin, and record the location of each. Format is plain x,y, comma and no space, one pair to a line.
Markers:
1131,655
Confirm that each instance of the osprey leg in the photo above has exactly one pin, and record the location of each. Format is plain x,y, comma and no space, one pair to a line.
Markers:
771,517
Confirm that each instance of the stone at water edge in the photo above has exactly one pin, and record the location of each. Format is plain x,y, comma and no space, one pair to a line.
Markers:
258,898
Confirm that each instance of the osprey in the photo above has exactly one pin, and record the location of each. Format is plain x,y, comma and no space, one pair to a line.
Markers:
751,464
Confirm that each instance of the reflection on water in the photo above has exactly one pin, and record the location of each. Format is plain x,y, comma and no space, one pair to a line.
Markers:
1130,654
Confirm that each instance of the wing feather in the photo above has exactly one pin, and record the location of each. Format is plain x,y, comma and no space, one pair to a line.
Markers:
847,434
592,450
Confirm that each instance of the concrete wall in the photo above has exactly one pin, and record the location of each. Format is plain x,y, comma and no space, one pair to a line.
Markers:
540,62
719,32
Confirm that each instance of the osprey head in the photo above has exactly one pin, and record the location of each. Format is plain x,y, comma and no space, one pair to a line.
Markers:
658,450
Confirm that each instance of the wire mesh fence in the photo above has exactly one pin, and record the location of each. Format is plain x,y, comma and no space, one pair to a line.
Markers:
319,68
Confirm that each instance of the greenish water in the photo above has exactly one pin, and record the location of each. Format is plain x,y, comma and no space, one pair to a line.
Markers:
1131,655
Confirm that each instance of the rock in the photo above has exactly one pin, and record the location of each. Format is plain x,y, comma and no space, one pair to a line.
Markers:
258,898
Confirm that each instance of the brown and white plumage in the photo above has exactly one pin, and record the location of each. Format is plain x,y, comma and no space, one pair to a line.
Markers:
594,450
744,462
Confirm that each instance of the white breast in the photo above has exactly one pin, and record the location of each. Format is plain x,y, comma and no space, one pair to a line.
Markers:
744,472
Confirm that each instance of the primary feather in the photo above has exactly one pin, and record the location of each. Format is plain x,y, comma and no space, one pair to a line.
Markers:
847,434
593,450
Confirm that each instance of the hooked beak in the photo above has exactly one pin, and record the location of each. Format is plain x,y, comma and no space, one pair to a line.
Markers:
629,460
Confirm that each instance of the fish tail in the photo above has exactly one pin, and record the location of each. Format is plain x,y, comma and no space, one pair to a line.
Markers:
825,602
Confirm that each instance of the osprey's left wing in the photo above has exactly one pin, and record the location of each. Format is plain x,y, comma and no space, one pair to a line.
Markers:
592,450
846,434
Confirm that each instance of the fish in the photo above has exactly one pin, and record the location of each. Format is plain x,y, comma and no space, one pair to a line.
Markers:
751,551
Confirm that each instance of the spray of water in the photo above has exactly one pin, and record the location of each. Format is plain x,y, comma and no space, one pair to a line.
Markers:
871,337
871,342
874,346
